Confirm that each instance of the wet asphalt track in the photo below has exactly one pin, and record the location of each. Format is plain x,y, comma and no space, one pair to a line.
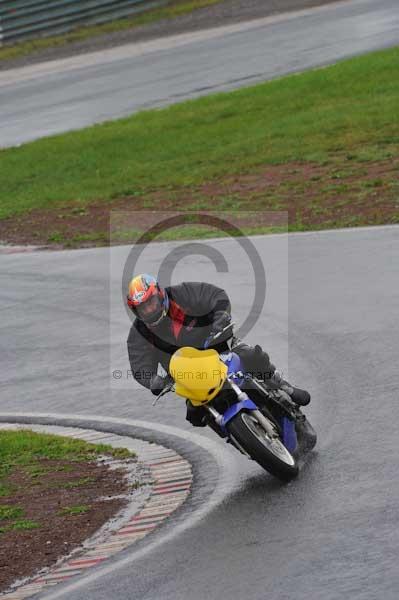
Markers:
331,315
69,94
333,298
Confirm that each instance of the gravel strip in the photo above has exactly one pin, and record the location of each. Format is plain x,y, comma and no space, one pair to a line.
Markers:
224,13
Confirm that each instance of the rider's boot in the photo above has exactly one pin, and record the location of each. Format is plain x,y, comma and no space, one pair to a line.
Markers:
306,435
298,396
257,361
195,415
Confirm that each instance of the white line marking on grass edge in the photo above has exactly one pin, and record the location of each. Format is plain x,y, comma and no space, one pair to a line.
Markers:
227,480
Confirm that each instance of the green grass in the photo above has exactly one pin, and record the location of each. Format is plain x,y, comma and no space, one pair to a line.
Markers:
25,447
10,521
174,8
24,525
179,233
5,490
20,525
10,512
23,451
185,232
350,108
74,510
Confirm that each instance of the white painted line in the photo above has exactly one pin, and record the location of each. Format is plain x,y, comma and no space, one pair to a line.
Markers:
67,571
167,470
167,499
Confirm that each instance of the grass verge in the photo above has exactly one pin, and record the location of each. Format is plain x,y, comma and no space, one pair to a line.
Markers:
322,145
25,448
55,494
72,511
23,453
35,455
172,9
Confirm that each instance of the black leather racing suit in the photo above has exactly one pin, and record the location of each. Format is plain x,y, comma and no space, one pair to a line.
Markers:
192,309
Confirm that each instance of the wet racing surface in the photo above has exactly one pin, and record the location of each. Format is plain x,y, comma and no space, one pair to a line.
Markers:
330,534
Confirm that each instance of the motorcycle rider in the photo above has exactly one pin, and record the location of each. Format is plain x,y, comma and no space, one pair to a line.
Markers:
186,315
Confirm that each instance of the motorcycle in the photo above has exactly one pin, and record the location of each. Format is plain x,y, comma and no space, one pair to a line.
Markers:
256,417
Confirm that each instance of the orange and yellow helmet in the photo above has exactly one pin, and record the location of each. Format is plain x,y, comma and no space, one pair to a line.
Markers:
147,300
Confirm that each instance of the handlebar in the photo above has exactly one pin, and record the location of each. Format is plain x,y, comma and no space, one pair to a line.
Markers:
169,388
215,336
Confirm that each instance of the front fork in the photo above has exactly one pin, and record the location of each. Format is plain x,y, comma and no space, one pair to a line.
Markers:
266,424
221,420
245,403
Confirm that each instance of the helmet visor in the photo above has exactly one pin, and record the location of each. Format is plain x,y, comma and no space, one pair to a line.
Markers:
151,310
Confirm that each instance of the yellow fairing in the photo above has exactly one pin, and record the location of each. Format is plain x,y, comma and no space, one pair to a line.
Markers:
199,374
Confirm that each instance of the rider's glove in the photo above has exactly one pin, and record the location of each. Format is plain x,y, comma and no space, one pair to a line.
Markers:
159,383
220,321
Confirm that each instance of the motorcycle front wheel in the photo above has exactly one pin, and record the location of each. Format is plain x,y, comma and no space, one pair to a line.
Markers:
269,452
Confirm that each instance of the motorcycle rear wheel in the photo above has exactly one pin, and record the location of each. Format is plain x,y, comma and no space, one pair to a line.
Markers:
269,452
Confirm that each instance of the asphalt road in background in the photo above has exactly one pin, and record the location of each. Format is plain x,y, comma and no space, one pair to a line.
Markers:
331,316
70,94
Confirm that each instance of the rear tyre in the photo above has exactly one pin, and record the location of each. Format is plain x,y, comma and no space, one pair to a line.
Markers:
269,452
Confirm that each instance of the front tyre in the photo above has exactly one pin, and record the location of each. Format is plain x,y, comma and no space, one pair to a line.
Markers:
269,452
